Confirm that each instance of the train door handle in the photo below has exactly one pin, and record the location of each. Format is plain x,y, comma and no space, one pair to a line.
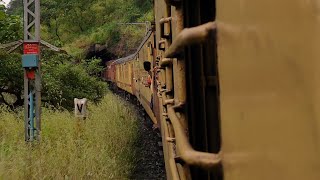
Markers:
164,21
187,154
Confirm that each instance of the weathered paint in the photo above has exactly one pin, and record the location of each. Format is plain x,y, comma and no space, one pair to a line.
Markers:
270,90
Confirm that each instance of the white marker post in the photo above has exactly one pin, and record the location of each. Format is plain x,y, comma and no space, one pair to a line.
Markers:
80,108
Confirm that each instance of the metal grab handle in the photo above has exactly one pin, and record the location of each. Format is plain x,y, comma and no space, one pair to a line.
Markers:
162,22
165,62
187,153
173,2
170,152
190,36
162,45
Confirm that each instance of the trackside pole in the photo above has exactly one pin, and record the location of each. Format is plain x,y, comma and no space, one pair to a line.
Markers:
31,116
31,65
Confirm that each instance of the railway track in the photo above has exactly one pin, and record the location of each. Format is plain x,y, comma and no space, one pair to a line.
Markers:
150,164
149,157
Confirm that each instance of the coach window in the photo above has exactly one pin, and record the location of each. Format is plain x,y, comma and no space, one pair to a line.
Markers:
147,66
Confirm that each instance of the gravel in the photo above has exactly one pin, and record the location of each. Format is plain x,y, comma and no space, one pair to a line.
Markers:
149,154
150,164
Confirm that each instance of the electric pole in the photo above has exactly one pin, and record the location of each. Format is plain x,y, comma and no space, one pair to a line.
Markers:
31,65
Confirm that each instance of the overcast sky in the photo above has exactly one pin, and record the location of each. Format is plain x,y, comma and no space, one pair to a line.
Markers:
6,2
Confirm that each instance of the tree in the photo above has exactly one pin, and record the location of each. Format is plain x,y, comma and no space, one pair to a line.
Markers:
11,79
63,79
76,25
10,26
15,7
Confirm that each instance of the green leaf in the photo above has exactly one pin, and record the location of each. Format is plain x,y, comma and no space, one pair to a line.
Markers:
2,15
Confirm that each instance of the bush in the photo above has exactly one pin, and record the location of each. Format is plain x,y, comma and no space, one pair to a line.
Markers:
64,80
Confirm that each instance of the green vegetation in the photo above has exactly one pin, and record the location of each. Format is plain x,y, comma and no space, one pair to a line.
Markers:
64,77
76,26
10,26
101,147
63,80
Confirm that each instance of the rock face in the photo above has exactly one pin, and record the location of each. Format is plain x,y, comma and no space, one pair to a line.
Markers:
99,51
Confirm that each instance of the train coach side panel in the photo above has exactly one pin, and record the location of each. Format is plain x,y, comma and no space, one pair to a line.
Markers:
124,76
269,67
145,90
133,78
136,77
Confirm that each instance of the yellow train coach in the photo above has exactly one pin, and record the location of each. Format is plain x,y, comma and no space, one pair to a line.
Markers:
131,76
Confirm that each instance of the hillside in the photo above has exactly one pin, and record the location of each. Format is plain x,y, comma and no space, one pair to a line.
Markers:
78,25
91,33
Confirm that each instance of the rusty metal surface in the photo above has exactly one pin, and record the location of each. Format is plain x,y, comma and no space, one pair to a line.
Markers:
269,67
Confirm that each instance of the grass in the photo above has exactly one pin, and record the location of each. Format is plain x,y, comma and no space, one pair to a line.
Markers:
101,147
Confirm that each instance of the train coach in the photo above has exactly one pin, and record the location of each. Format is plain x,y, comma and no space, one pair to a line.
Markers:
233,87
130,75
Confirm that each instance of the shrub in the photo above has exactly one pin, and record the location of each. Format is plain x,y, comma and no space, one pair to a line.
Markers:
64,80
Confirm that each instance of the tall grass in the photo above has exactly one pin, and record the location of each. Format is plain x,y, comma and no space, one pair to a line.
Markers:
101,147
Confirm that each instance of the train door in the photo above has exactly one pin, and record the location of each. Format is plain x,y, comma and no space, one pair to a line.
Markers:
155,64
118,74
132,79
136,79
